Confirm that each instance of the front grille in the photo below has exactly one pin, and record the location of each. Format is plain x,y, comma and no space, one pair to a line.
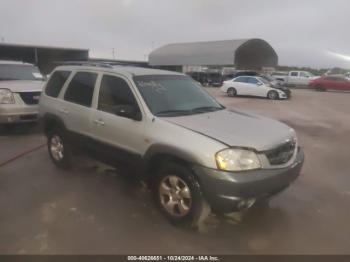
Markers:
281,154
30,98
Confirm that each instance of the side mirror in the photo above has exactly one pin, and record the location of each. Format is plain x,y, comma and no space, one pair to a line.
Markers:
128,111
259,84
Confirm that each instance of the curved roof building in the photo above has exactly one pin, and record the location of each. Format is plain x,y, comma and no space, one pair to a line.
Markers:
241,53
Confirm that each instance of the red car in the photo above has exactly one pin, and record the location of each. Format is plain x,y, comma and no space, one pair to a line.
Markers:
330,82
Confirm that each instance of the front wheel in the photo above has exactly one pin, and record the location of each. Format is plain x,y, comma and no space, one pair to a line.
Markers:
273,95
58,148
179,196
320,88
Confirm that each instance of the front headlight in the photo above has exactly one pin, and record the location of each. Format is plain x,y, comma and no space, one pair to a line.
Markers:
6,97
234,159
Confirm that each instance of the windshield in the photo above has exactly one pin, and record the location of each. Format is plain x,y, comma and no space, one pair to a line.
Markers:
266,82
172,95
19,72
268,78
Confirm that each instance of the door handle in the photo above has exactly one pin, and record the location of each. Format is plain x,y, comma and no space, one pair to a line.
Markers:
64,111
99,122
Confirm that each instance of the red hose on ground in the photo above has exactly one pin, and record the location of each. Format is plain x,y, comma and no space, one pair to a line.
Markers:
21,155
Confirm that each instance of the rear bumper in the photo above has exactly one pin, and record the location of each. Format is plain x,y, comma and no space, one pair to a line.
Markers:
226,191
10,114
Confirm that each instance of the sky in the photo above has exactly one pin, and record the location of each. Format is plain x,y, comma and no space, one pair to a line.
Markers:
303,32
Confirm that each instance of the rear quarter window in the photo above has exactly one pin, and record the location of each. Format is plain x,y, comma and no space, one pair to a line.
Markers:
56,82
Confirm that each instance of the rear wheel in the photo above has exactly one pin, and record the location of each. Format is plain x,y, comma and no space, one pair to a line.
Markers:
58,148
231,92
178,195
273,95
320,88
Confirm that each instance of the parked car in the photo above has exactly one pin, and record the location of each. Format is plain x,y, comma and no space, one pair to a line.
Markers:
296,78
279,75
277,84
193,151
252,86
330,82
214,79
20,89
207,78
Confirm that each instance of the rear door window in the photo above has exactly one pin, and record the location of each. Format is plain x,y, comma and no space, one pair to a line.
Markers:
56,82
242,79
294,73
81,89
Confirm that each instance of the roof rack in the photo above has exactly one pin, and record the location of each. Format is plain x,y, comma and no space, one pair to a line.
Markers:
106,64
120,63
85,63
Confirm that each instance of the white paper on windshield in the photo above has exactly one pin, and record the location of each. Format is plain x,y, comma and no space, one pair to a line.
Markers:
37,75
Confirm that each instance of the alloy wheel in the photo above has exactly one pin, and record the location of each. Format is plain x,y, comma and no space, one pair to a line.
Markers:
175,196
273,95
231,92
56,148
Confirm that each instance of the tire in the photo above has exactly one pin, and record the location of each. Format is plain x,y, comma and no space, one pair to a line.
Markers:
231,92
7,128
320,88
272,95
262,203
179,196
59,150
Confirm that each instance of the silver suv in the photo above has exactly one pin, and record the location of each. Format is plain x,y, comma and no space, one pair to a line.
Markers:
194,152
20,89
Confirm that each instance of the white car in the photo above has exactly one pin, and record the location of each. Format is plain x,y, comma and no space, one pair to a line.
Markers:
252,86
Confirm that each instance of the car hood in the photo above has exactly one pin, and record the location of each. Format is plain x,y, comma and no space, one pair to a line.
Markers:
18,86
235,128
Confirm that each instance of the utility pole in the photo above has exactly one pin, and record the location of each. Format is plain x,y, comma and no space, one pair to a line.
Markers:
113,52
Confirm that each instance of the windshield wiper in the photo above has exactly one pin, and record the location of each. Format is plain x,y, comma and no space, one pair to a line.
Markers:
7,78
207,109
190,111
173,112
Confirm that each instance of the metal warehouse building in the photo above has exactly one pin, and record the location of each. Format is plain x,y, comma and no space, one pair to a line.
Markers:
240,53
42,56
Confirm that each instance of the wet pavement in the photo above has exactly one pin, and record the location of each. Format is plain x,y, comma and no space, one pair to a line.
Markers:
95,210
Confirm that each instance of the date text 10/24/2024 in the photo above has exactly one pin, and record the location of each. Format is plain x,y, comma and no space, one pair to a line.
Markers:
173,258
